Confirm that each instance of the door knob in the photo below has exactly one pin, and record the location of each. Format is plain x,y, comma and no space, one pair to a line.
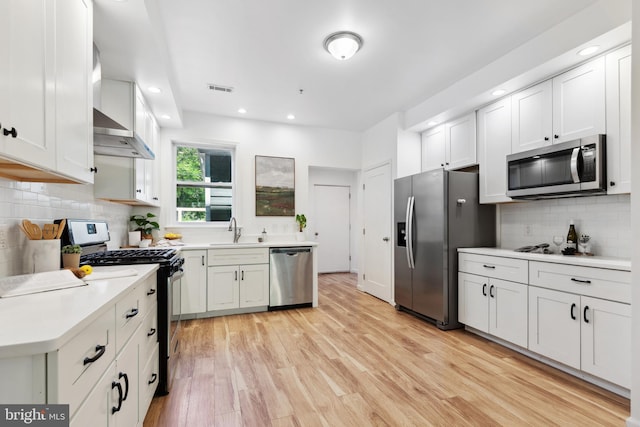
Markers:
386,239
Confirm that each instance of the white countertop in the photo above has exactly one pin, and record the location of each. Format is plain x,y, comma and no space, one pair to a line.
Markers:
581,260
43,322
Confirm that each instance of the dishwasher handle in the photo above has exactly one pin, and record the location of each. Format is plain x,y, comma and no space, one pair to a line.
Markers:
289,251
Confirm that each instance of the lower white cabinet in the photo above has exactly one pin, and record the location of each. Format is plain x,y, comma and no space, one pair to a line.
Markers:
242,286
586,333
194,282
494,306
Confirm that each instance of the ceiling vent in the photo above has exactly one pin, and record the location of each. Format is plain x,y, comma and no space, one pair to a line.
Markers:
219,88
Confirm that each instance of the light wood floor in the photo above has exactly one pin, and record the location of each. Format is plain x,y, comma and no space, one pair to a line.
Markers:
356,361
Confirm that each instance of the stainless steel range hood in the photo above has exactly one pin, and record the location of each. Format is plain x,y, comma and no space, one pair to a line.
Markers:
110,138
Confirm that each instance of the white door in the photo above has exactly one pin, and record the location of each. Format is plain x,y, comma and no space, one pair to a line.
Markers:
377,232
332,227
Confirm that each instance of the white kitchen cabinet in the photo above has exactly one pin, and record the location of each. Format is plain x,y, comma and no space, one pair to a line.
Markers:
567,107
194,282
451,145
579,102
45,98
531,125
433,149
237,279
460,142
618,105
494,306
494,144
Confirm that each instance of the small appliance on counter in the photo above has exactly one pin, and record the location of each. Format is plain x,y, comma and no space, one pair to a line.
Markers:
92,236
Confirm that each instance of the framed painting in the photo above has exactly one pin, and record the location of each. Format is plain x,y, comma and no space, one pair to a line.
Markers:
275,186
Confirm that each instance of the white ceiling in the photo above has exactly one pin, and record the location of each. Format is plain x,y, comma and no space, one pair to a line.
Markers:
269,50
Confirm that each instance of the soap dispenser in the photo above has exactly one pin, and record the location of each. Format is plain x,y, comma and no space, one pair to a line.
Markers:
264,234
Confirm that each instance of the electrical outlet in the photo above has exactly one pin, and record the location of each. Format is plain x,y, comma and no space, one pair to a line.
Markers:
4,230
527,230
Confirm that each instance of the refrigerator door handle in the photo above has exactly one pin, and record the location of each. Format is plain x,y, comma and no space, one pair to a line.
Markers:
409,235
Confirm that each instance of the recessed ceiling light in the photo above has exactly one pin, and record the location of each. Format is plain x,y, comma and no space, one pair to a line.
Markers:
343,44
165,116
242,111
432,123
290,116
154,89
498,92
588,50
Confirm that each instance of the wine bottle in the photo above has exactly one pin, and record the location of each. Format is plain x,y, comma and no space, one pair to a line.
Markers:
572,237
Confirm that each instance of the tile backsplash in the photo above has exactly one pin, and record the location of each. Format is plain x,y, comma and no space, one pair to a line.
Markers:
606,219
43,203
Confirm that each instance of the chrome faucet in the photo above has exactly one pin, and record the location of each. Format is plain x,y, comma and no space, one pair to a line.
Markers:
233,226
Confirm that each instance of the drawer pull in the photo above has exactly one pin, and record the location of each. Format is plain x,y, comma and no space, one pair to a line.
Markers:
132,313
151,332
489,266
584,314
484,289
151,292
491,291
573,307
100,349
117,385
126,384
153,379
573,279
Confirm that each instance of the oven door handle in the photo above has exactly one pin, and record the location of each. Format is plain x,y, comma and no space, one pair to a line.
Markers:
575,174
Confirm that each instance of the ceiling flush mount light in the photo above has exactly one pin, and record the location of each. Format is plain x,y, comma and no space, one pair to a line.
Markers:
165,116
588,50
343,44
242,111
498,92
290,116
154,89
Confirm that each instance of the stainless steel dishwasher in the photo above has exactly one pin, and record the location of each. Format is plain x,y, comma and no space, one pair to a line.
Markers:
291,277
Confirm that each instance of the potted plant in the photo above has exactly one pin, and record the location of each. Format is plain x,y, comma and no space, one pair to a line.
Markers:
145,225
302,224
71,256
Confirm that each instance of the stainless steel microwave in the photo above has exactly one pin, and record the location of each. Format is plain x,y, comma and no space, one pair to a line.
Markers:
573,168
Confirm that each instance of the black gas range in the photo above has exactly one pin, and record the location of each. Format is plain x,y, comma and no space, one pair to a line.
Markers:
92,235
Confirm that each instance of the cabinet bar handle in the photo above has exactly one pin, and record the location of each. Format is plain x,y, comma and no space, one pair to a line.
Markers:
573,307
236,275
242,275
153,379
202,259
484,289
126,384
573,279
12,132
489,266
117,385
151,291
100,351
491,291
132,313
584,314
151,332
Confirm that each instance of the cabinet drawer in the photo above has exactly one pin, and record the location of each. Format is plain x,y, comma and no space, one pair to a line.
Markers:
149,333
128,316
148,380
613,285
149,293
238,256
76,373
515,270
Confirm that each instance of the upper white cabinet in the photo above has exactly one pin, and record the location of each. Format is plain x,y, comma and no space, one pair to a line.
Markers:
569,106
531,114
450,146
494,144
618,72
45,98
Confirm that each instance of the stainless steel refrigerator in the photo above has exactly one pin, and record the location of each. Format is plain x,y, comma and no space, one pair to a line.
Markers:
436,212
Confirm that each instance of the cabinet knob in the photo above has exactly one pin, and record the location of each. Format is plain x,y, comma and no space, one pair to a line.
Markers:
447,163
94,170
442,164
556,136
546,138
612,183
138,191
155,198
13,132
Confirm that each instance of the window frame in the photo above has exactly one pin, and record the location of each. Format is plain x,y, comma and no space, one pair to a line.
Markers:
212,145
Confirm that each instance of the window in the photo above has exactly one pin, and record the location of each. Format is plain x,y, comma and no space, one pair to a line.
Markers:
204,184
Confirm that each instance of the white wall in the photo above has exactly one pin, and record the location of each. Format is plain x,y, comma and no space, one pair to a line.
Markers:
311,147
42,203
606,219
347,178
